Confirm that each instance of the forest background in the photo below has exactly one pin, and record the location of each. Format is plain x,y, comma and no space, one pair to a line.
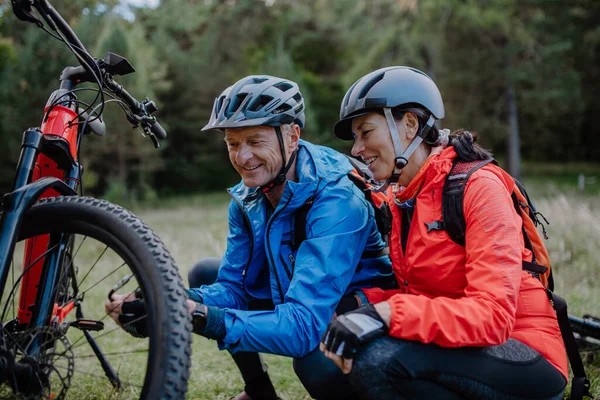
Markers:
523,73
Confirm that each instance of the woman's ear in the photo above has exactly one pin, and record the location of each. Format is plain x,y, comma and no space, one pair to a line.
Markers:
411,122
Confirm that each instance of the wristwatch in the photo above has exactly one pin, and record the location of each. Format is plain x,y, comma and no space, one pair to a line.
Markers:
199,318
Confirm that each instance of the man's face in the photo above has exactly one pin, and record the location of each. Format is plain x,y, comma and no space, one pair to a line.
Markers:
255,154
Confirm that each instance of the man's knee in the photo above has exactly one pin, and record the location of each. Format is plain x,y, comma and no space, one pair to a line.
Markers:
204,272
321,378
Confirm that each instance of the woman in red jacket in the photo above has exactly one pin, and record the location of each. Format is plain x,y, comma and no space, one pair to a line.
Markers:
467,322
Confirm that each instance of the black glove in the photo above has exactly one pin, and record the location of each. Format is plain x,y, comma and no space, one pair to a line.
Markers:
133,317
345,334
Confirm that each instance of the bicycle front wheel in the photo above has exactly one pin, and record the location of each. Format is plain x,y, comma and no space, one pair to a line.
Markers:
80,352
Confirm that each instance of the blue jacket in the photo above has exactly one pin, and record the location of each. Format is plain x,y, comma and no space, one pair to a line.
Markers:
305,285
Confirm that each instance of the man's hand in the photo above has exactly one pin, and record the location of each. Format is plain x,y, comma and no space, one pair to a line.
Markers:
348,332
129,312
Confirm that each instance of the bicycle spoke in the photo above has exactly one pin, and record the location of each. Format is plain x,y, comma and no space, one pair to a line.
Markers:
145,350
94,265
76,345
102,377
109,274
67,269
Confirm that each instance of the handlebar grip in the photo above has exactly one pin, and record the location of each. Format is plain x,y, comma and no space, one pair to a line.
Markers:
158,131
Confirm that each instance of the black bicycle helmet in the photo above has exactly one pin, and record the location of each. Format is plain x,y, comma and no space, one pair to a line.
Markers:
388,88
260,100
385,89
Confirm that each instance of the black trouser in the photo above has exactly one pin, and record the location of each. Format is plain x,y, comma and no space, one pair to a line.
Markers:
395,369
321,378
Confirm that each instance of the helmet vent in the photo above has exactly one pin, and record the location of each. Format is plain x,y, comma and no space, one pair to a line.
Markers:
297,97
238,99
219,105
370,84
299,108
256,81
260,102
281,109
347,96
283,86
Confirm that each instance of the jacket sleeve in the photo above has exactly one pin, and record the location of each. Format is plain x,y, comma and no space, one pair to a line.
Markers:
228,290
325,264
377,295
485,315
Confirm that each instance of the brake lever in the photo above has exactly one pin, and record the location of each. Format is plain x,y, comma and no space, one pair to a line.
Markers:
22,10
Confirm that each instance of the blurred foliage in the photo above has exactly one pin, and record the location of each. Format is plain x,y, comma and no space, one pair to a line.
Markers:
186,52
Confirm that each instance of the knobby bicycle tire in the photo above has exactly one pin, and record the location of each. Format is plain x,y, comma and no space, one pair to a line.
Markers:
151,265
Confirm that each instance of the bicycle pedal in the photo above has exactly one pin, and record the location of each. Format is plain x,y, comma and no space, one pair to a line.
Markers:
87,324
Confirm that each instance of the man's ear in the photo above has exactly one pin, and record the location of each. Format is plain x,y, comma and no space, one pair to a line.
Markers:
411,122
294,136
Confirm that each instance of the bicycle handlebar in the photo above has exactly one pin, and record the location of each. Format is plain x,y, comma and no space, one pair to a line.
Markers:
142,110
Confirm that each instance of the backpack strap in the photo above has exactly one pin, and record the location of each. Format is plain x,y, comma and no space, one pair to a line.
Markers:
580,386
299,231
453,218
383,214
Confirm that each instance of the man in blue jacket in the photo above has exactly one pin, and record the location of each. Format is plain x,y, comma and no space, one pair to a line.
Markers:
272,293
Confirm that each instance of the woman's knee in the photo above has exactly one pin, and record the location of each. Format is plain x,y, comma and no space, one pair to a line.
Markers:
321,378
204,272
369,375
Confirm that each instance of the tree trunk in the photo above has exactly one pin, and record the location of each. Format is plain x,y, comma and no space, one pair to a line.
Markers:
514,142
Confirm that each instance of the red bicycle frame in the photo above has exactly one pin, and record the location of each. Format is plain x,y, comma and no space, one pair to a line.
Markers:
61,122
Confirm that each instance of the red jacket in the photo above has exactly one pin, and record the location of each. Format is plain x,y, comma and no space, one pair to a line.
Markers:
476,295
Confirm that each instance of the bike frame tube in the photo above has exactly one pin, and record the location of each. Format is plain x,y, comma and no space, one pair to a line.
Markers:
51,270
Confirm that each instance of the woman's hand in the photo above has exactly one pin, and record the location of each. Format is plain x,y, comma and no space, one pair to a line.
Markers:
349,331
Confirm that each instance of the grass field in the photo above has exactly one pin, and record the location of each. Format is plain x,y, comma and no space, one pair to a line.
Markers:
195,227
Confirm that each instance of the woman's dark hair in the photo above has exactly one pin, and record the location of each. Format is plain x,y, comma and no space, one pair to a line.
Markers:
462,141
465,147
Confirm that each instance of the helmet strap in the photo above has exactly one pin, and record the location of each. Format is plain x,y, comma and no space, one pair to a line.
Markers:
402,156
285,167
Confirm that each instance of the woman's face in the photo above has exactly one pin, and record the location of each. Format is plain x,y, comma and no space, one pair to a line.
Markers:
373,143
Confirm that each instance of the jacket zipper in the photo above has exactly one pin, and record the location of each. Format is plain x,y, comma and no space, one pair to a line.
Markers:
271,252
249,226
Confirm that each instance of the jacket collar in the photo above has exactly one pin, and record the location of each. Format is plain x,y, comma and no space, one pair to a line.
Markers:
315,164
